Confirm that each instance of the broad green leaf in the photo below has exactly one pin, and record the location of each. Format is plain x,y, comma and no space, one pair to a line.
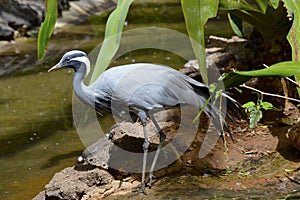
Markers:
255,117
196,14
47,28
266,105
236,24
233,79
248,104
282,69
112,39
293,8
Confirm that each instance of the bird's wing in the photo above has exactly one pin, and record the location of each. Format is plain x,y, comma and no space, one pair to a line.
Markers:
149,86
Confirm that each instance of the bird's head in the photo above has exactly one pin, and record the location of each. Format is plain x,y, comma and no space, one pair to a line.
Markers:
75,59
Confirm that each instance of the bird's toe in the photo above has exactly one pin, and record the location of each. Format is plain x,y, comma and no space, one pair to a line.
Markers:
139,189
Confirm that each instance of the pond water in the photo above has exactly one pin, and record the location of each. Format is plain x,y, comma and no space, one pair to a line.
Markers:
37,135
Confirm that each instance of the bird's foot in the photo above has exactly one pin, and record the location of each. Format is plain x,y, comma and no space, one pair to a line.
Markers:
139,189
151,176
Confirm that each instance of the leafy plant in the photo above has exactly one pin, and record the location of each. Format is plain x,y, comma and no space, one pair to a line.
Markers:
47,28
111,43
255,110
266,16
274,19
282,69
196,14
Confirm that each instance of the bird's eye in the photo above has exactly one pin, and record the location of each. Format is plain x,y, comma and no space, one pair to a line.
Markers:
68,59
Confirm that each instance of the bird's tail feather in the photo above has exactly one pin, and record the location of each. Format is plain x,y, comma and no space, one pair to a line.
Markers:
217,111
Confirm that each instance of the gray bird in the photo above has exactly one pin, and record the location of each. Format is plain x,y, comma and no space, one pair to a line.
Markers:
141,90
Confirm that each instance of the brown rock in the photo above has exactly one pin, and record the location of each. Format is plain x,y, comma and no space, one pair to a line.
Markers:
77,182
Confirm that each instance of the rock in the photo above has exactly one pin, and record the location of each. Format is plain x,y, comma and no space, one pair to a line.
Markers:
122,151
6,32
77,182
79,11
17,15
97,154
83,182
40,196
222,55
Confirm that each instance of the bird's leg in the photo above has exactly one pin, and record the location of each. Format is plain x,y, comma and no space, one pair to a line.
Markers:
162,137
141,188
145,148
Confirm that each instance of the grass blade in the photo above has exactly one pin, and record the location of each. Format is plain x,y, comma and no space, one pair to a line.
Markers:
236,24
196,14
47,28
111,43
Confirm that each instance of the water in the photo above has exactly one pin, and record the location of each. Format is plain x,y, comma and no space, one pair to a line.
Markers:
37,135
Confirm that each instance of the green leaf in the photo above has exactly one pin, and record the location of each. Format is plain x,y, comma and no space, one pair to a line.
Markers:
236,24
202,109
232,79
47,28
266,105
112,39
248,104
293,8
282,69
255,117
196,14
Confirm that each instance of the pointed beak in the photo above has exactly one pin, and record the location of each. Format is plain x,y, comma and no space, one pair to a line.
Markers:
57,66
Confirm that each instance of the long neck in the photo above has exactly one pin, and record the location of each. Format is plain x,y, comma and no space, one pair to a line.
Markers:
81,90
